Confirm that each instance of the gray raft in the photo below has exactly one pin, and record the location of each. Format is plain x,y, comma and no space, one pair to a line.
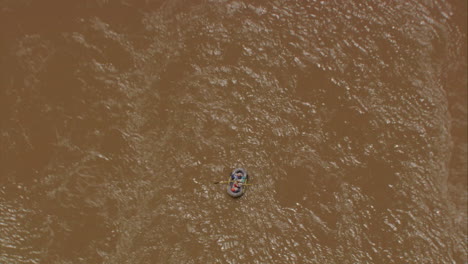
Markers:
243,180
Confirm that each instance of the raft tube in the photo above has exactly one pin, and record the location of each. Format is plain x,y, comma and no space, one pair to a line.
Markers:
243,180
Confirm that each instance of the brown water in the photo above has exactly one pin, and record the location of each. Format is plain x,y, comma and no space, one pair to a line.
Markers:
118,116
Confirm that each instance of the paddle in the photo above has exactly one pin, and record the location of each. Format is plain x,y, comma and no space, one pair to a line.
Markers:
231,181
222,182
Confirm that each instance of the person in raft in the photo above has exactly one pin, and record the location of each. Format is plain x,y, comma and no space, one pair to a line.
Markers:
237,179
237,176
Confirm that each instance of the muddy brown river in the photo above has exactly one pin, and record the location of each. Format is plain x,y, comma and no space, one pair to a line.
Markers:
117,117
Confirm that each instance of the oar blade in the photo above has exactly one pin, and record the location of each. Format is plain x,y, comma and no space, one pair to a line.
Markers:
220,182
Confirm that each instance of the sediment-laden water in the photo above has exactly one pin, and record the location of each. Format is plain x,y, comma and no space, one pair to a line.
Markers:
118,116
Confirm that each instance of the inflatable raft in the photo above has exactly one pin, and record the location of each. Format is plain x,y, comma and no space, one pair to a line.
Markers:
237,179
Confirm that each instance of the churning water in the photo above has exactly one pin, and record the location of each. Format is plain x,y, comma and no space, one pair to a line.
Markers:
118,116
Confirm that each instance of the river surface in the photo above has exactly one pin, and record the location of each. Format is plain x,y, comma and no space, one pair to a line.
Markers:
116,118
